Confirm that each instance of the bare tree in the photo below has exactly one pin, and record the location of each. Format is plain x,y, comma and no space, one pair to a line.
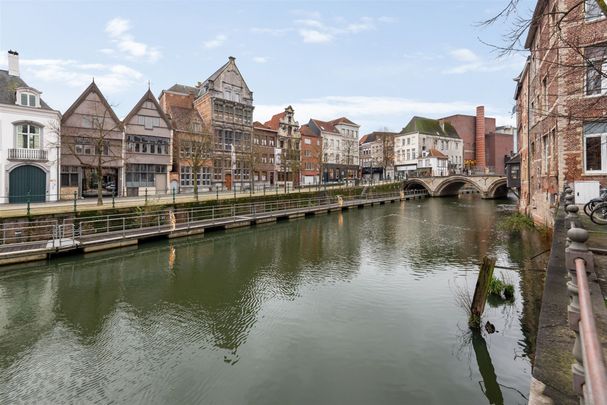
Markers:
195,151
98,147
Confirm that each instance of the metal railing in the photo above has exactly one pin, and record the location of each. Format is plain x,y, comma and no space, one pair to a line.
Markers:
51,234
589,371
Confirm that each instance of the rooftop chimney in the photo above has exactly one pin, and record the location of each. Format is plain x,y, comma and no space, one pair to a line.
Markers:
13,63
480,138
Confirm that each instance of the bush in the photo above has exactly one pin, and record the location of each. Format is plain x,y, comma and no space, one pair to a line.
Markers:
516,222
501,289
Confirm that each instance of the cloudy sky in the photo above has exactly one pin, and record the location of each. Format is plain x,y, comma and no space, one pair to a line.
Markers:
376,62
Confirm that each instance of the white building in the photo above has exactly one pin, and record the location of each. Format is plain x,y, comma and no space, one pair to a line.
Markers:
340,154
29,141
433,163
419,137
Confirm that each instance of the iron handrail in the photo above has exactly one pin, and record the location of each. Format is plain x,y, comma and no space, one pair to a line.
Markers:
594,363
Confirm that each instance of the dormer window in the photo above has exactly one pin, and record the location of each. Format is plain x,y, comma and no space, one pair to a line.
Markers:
27,98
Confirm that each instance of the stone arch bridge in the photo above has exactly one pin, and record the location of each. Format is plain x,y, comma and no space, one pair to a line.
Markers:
488,186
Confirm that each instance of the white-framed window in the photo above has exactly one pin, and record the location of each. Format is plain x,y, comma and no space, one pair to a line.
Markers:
596,70
307,141
592,11
546,144
28,136
187,176
148,122
28,99
595,147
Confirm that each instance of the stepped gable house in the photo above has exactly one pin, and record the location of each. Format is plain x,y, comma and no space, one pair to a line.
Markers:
224,102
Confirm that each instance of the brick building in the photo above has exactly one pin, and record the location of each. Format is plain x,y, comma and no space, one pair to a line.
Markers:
311,150
225,104
561,103
484,146
263,154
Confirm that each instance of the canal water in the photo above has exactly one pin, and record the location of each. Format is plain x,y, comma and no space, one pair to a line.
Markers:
356,307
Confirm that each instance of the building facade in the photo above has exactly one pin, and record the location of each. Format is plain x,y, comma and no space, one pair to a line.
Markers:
311,149
263,155
29,147
376,153
419,137
339,154
484,144
288,147
561,99
148,149
91,147
225,104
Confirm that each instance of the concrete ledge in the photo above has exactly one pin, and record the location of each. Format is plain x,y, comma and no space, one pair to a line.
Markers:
187,232
23,258
110,245
237,224
299,215
265,221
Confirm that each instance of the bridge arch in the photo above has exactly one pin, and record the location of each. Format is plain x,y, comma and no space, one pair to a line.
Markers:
416,184
498,189
452,185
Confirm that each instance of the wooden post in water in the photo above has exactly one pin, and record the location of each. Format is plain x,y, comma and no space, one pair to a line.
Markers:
480,292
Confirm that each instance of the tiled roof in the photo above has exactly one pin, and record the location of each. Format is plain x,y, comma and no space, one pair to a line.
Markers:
263,127
325,126
374,136
182,118
430,126
342,120
305,130
182,88
435,153
8,85
274,122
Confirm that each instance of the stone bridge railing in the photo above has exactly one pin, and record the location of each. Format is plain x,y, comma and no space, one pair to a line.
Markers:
488,186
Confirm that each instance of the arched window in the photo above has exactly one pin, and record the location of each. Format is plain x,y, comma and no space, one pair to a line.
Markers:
28,136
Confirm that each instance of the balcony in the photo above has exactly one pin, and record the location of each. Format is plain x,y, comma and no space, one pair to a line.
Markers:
28,154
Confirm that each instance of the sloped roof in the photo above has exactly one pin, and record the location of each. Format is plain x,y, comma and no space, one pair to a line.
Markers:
305,130
324,126
437,154
182,118
231,60
374,136
148,96
263,127
182,88
92,88
342,120
8,85
429,126
274,122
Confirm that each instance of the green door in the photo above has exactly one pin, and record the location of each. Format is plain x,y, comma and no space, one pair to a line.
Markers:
27,182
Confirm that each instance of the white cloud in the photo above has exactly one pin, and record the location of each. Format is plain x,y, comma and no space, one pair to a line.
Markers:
371,113
314,36
313,30
260,59
467,62
113,78
215,42
118,29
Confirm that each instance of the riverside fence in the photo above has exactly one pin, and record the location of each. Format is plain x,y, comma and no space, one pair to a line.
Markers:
32,238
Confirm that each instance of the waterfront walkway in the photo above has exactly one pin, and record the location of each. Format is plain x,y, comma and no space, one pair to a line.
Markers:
32,241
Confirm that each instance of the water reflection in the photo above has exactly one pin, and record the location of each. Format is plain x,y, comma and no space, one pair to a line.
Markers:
272,304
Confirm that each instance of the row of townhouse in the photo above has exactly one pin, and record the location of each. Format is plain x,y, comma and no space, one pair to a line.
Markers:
437,147
191,138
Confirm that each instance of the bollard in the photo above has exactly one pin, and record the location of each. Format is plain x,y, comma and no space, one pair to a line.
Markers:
264,190
234,188
146,196
217,192
277,189
29,200
75,194
113,199
173,195
572,215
